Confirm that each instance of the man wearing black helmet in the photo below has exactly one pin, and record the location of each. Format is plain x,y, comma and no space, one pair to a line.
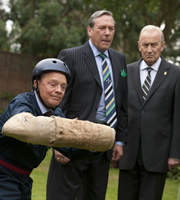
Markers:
17,159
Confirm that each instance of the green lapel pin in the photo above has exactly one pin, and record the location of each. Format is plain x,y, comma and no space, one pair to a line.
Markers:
123,73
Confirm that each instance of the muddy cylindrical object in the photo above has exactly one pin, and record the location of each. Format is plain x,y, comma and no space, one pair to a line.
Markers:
59,132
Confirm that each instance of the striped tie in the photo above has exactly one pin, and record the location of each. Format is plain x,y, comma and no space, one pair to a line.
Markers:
147,84
111,116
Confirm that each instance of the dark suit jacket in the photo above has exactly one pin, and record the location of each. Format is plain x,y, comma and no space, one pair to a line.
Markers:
83,94
156,122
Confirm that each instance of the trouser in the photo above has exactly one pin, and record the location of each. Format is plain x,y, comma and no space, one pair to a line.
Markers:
14,186
140,184
64,181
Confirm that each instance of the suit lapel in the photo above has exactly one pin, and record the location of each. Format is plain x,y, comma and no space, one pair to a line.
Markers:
134,74
160,77
113,64
91,62
115,69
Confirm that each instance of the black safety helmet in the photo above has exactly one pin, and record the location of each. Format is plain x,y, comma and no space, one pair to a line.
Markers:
48,65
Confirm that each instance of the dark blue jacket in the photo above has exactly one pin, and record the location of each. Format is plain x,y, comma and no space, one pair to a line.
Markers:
25,155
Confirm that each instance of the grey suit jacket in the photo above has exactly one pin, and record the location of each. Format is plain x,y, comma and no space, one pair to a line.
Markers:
83,94
154,124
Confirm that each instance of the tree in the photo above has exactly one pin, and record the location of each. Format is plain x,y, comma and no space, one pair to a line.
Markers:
3,32
131,16
43,28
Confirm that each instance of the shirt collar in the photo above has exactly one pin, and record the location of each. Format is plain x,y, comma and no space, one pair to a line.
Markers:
96,52
155,66
42,108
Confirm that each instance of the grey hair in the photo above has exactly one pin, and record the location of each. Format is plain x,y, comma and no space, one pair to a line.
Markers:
98,14
151,28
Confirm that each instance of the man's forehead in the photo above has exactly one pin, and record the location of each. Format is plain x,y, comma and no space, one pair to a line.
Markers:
150,34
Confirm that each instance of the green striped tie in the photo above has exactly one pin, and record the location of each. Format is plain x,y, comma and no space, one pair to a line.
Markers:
111,116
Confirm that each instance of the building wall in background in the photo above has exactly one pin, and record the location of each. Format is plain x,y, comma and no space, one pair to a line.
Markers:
15,75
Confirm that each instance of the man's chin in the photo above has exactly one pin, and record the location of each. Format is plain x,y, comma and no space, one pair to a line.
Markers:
150,62
105,45
53,105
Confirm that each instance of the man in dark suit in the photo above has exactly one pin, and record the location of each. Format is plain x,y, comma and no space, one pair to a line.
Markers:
85,99
154,127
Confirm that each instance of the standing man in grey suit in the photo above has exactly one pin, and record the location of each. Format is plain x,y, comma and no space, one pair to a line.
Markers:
153,145
85,99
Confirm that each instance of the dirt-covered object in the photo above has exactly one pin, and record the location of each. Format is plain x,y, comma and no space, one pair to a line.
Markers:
59,132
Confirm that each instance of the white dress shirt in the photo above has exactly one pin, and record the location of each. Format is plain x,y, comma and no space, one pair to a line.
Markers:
144,72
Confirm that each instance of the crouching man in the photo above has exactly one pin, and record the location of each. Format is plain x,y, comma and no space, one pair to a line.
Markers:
17,159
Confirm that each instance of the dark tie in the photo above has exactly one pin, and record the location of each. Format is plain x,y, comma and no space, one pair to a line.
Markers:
111,116
49,113
147,84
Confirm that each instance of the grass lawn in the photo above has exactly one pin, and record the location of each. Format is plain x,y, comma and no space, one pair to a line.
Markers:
39,176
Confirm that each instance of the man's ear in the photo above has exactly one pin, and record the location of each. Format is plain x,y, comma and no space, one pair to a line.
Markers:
163,46
139,46
35,83
89,30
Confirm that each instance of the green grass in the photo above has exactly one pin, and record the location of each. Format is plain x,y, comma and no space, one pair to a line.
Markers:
39,176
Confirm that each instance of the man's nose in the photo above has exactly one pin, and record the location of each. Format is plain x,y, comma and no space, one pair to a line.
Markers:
107,31
149,49
60,89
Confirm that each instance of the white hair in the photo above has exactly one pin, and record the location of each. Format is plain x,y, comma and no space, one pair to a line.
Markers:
150,28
